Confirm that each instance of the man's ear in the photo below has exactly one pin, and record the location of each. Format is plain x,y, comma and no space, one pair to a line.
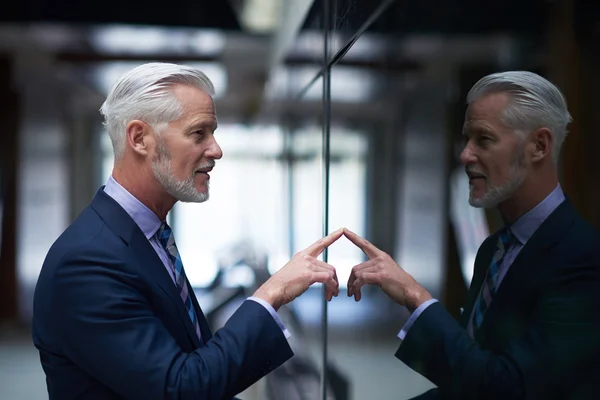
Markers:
542,144
138,135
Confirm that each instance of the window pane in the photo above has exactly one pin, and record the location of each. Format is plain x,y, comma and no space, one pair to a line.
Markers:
346,193
307,187
347,197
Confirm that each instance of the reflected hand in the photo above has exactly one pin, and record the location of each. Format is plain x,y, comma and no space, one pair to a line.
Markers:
383,271
300,273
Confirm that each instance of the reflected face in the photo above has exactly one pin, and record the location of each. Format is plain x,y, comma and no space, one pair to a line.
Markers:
186,151
493,155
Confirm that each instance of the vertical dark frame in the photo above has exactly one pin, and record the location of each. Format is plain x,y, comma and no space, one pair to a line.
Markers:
326,166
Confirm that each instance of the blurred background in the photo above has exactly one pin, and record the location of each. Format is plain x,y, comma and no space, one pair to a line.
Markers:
331,113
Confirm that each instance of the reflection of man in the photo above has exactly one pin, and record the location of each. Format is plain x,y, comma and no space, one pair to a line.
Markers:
114,315
531,326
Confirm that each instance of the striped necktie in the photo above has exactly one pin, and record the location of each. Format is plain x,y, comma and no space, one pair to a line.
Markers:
165,236
490,285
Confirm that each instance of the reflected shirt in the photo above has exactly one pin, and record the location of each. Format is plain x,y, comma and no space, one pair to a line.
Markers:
522,229
149,223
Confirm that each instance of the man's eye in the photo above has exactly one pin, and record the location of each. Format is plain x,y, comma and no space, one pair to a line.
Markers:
483,140
199,132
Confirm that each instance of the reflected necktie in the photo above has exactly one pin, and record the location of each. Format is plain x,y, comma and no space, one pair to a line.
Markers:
490,285
165,236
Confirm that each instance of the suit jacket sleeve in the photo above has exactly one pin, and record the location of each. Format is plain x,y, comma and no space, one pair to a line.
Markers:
563,334
110,330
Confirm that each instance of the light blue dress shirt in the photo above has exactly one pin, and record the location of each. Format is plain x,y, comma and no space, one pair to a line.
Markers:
149,223
522,229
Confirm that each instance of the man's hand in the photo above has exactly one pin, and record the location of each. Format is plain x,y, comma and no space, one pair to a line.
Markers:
300,273
382,270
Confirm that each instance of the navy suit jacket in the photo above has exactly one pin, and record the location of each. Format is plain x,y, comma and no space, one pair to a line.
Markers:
109,323
540,338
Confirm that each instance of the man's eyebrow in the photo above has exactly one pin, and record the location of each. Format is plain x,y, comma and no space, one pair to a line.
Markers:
203,124
476,129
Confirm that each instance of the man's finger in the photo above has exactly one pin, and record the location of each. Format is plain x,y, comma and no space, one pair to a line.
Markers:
325,278
351,280
317,248
354,290
369,265
330,295
322,265
332,286
368,248
366,278
357,295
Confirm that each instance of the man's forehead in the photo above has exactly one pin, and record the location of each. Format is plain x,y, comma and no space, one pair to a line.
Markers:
471,126
204,119
201,109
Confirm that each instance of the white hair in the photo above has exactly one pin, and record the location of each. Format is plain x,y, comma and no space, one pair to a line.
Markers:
535,103
144,93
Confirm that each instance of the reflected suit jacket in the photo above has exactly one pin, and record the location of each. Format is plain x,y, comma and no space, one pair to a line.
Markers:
110,324
540,337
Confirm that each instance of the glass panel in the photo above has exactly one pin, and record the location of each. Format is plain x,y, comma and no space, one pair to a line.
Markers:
307,186
351,15
305,58
347,17
347,198
365,167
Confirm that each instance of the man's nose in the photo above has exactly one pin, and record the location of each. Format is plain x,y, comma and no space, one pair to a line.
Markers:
467,156
214,150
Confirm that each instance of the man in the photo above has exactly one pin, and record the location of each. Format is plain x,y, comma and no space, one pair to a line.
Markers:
114,315
531,324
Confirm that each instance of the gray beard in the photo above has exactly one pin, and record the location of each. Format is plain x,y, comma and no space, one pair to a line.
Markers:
495,195
184,191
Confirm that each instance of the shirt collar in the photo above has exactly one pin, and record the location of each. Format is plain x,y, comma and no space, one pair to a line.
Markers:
525,226
145,218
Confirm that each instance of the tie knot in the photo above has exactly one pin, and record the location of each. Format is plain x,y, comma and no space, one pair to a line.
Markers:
506,237
165,235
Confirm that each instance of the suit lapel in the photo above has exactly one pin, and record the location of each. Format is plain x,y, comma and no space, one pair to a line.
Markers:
149,263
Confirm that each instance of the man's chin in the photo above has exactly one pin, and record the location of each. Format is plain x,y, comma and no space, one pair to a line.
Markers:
482,202
475,203
190,194
203,197
202,193
198,198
